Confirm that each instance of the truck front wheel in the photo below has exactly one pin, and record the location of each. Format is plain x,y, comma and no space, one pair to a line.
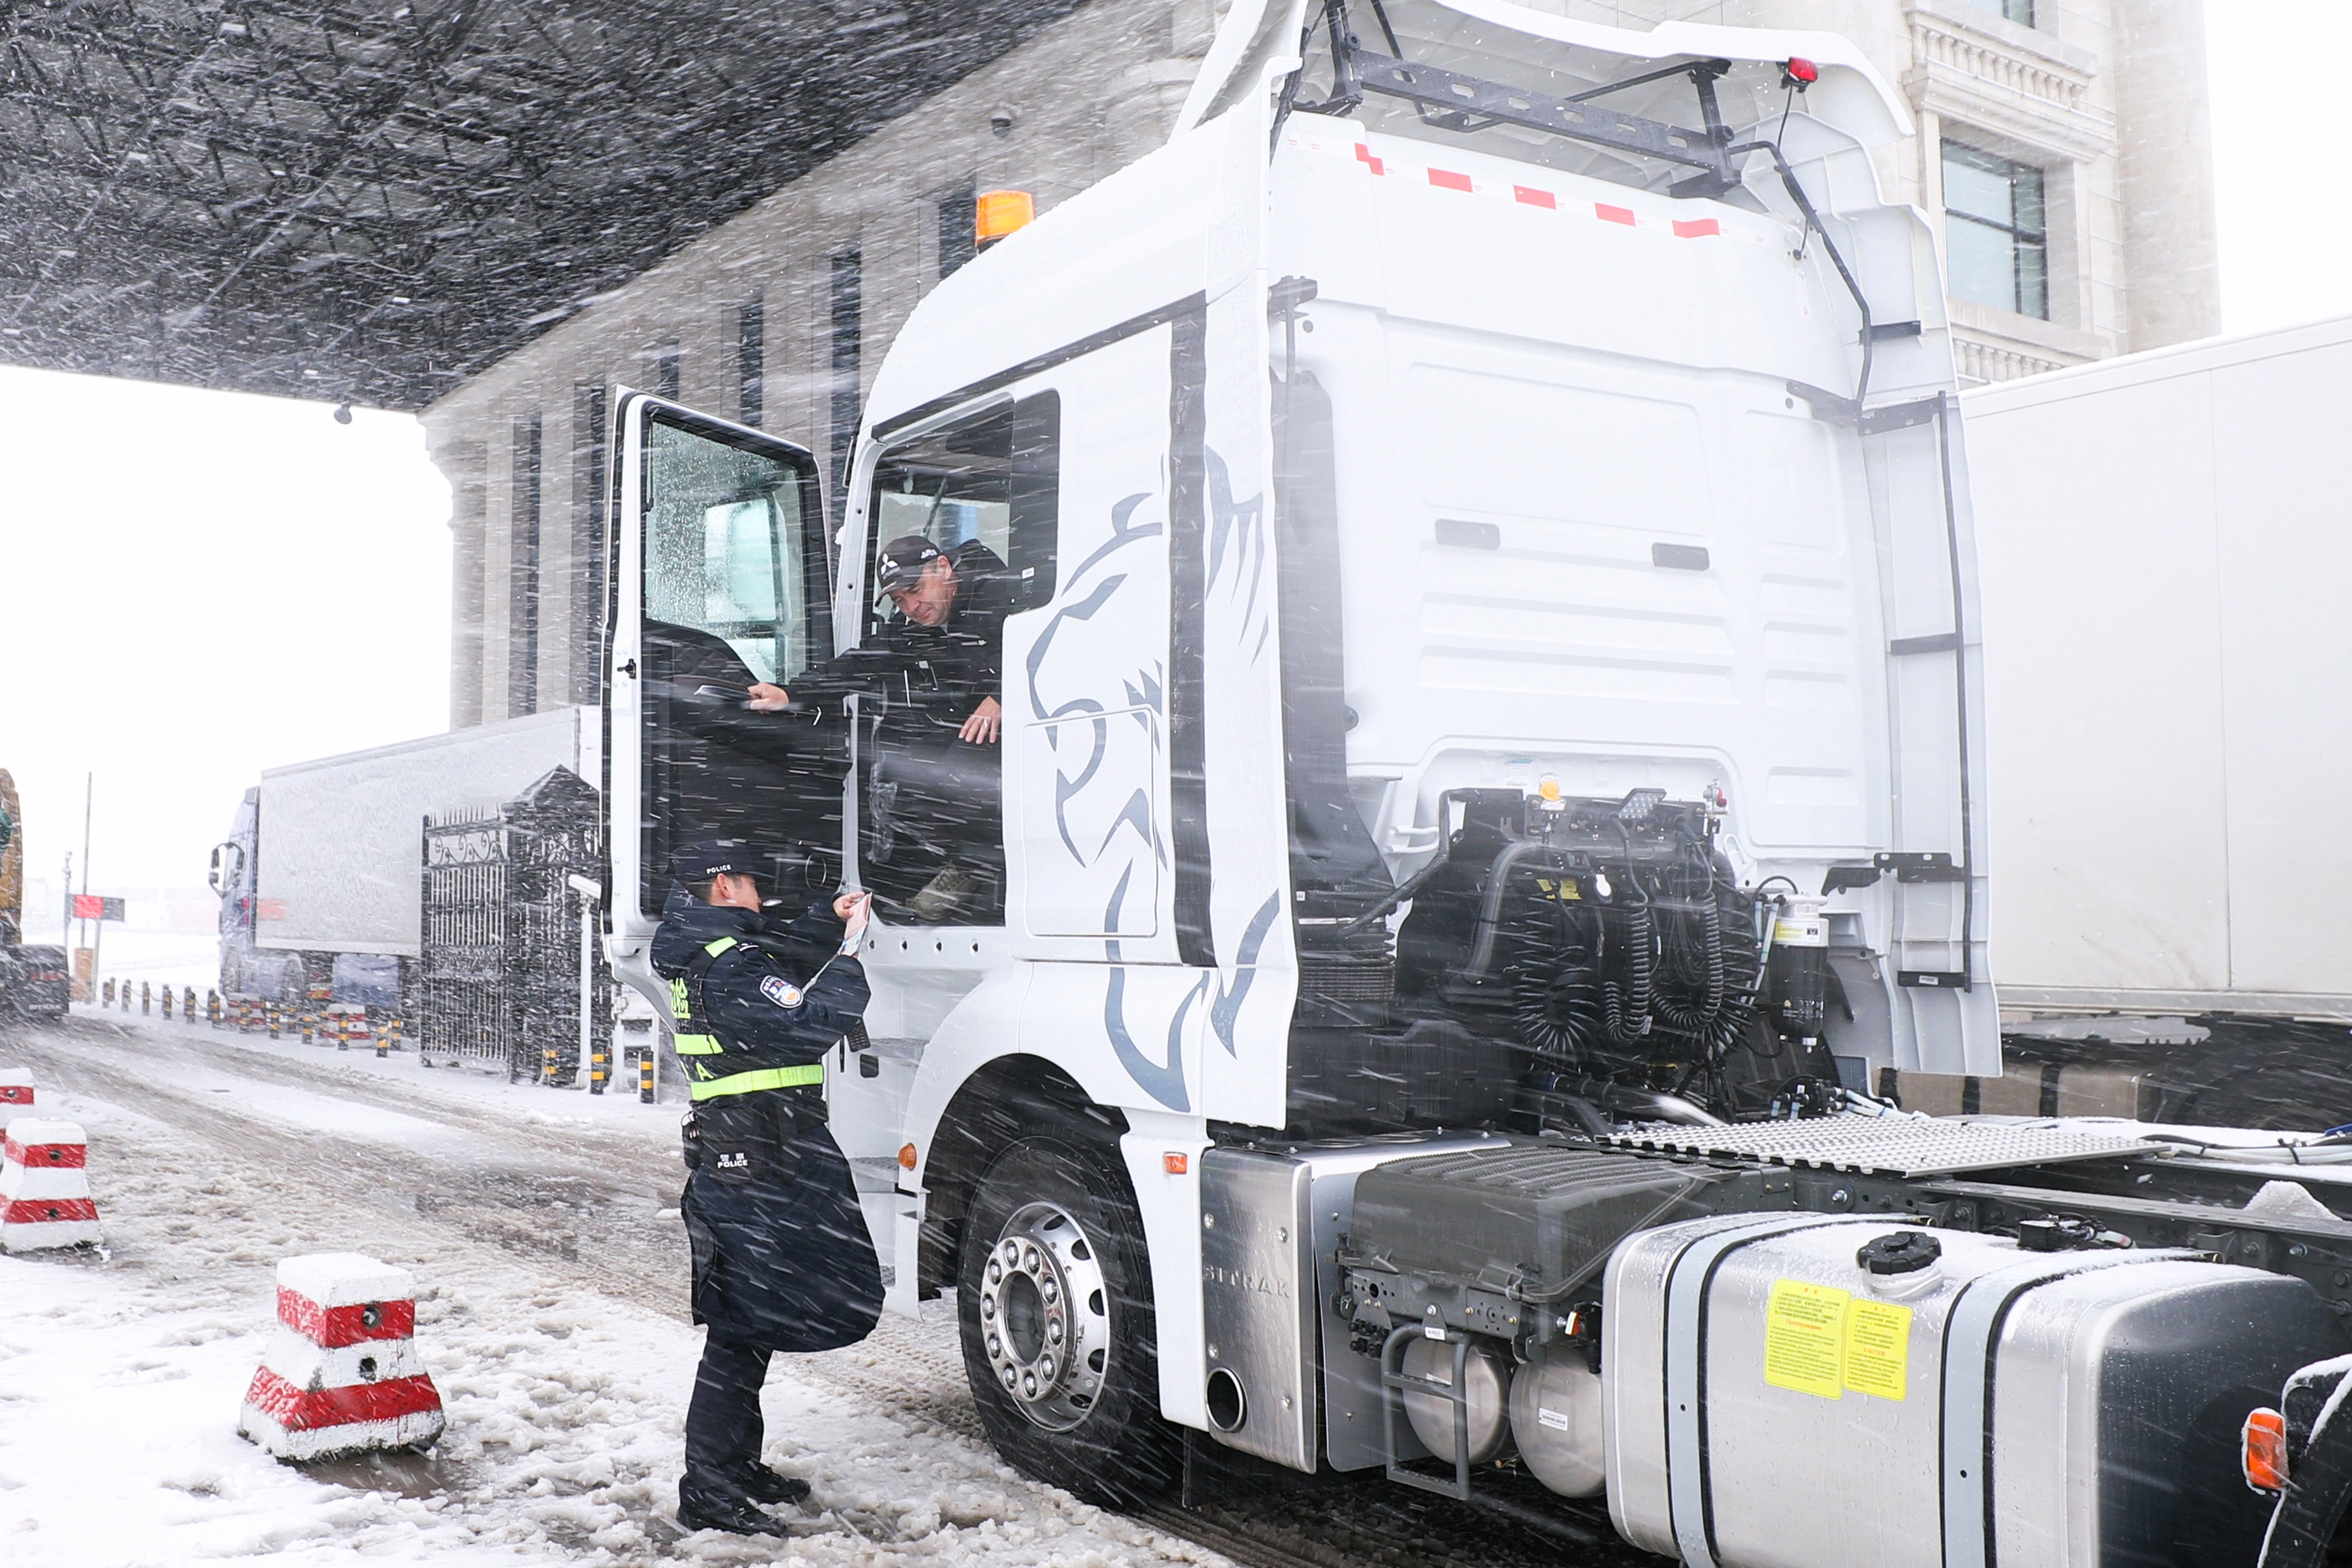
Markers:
1054,1288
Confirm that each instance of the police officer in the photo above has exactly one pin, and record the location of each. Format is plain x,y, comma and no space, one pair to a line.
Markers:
781,1258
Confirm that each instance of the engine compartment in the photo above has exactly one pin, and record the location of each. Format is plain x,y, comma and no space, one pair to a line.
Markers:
1564,963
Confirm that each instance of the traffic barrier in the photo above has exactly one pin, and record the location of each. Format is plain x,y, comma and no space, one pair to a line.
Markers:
547,1065
188,1003
45,1198
387,1036
637,1062
146,1000
309,1021
213,1013
167,1003
277,1020
109,992
600,1066
341,1374
16,1093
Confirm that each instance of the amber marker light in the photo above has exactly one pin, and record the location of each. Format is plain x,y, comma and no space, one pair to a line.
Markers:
1175,1165
2263,1440
907,1156
996,214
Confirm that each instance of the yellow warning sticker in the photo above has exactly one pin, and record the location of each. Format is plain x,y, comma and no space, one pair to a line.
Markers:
1804,1333
1877,1349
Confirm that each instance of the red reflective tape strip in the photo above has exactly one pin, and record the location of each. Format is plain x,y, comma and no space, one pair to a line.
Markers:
15,1094
309,1409
1364,156
1533,197
1696,228
1448,180
1608,214
48,1211
332,1328
46,1156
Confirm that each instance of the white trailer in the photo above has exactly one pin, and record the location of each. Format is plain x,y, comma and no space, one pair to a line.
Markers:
1495,691
324,858
2167,548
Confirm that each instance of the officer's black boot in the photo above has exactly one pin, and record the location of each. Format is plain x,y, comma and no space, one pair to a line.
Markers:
737,1516
765,1485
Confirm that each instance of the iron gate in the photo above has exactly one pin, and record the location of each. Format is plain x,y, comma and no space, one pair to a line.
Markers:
499,972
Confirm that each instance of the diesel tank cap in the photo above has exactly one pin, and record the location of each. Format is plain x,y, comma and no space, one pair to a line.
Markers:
1905,1252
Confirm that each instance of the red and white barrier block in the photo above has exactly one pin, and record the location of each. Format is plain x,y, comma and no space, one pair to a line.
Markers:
45,1185
16,1093
342,1375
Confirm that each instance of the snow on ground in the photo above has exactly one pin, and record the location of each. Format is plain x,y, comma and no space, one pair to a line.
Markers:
540,1226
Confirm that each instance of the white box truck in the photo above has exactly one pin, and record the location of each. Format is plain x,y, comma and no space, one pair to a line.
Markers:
2166,545
321,876
1492,714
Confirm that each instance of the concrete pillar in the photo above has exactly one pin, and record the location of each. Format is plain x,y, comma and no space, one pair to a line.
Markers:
463,464
2171,261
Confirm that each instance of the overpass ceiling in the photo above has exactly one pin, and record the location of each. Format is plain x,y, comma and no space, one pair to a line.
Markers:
372,200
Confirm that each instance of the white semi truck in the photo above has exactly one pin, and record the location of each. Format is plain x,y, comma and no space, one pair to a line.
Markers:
1493,754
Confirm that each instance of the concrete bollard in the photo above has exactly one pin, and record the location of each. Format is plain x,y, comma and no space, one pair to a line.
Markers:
45,1198
547,1065
646,1074
167,1003
188,1004
276,1019
146,1000
600,1066
16,1093
342,1031
387,1036
109,992
341,1374
213,1013
309,1021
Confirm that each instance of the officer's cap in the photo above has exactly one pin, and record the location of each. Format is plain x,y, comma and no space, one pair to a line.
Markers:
713,857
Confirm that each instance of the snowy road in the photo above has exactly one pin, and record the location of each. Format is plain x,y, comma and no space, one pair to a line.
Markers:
550,1268
551,1271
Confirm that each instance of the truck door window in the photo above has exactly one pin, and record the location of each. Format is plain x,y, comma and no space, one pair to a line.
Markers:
991,480
725,551
734,592
931,831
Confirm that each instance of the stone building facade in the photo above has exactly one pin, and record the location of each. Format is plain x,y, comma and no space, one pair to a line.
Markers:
2062,144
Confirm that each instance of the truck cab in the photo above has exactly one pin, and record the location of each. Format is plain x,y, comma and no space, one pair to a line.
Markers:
1490,649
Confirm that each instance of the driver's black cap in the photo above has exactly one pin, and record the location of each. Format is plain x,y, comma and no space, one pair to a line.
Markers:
902,563
713,857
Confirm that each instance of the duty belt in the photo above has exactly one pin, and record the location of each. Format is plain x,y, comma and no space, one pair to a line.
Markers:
693,1038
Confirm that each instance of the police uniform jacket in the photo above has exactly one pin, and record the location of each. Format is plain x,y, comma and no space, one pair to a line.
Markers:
782,1256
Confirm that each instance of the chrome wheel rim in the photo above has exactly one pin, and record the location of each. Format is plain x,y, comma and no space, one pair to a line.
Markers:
1044,1316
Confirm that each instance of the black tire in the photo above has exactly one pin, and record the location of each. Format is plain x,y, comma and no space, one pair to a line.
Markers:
1103,1438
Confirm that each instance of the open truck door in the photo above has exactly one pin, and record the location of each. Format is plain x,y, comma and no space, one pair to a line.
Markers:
720,579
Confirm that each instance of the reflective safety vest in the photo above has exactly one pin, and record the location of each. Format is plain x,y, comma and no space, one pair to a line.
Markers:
698,1046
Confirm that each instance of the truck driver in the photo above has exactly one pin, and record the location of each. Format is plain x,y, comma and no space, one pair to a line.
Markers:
939,663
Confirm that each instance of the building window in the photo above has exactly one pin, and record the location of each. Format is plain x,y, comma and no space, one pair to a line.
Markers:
959,227
588,522
522,646
750,360
1999,250
666,371
2018,11
848,337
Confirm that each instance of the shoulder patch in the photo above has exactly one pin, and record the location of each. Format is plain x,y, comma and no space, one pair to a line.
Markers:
780,991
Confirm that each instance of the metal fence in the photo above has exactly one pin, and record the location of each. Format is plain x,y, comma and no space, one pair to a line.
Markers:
499,974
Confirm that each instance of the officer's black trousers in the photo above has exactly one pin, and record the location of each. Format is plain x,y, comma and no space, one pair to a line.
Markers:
724,1432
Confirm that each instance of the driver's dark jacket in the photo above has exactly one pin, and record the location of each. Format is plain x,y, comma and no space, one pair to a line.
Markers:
943,671
782,1254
